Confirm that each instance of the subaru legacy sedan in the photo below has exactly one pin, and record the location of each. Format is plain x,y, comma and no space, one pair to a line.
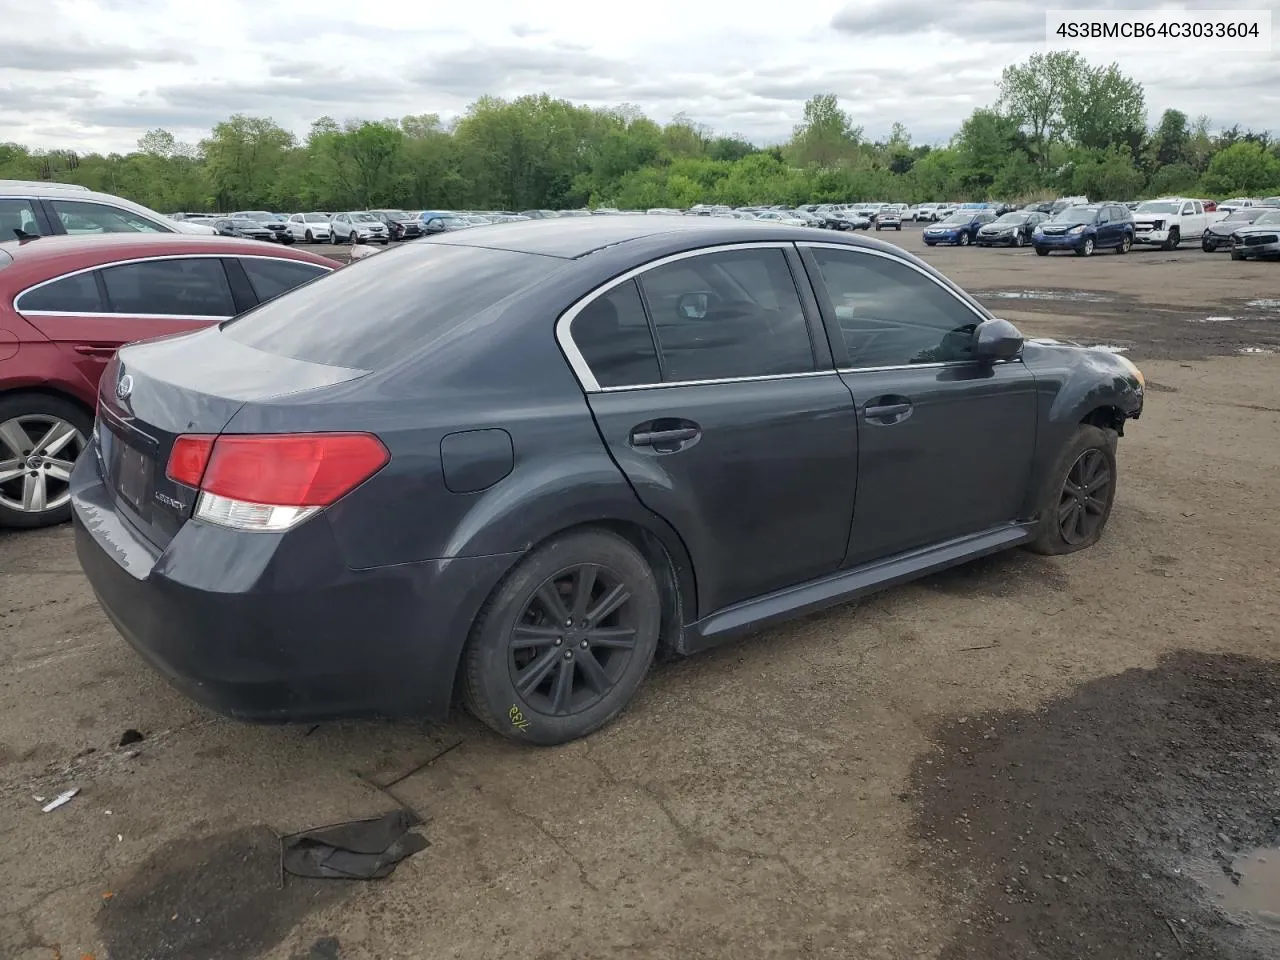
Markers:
518,462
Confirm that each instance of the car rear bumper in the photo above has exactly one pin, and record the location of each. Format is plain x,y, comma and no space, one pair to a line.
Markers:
275,627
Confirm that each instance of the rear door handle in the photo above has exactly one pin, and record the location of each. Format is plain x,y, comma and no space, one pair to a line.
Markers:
663,438
887,413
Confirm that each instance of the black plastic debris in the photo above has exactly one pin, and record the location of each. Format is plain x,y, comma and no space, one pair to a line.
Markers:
355,850
130,736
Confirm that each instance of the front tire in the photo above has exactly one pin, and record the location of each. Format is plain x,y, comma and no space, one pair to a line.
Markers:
1126,244
964,240
310,237
333,238
1017,238
1208,246
40,438
1079,492
1041,252
1175,238
1085,249
564,642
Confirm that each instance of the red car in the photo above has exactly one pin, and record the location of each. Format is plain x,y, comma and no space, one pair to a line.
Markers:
68,302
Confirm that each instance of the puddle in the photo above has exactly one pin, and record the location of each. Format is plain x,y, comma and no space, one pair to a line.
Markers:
1251,893
1211,320
1258,350
1078,296
1264,304
1106,347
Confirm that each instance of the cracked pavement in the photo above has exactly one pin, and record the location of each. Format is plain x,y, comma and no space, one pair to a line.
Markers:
754,801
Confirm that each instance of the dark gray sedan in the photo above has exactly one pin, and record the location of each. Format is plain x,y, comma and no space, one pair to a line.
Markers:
515,463
1217,236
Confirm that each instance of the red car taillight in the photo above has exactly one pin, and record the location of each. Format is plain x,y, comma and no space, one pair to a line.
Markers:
272,482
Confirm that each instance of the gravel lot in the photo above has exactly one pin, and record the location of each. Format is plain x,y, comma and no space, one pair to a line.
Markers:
1022,758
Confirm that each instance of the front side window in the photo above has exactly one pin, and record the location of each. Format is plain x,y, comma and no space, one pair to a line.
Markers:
194,287
17,215
892,315
85,216
75,294
734,313
613,336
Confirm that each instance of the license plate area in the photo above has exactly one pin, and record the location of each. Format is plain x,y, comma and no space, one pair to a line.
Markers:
130,470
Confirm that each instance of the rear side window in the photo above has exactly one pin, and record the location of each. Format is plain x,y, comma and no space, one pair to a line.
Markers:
613,336
75,294
371,313
270,278
193,287
82,216
17,214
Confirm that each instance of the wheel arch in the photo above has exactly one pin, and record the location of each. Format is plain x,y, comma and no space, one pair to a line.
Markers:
46,390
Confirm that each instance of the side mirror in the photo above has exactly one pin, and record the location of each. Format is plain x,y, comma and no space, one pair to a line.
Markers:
996,340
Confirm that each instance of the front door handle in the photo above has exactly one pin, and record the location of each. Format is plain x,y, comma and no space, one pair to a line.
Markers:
92,351
887,413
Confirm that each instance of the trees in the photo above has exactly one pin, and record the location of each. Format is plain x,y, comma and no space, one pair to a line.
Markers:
1060,125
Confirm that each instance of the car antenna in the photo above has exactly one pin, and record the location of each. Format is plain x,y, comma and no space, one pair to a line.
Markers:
24,237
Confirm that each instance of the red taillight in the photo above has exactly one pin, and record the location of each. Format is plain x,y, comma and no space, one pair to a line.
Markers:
285,470
292,470
188,458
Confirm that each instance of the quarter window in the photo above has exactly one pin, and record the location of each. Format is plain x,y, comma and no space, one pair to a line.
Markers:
195,287
15,215
613,336
79,216
74,294
270,278
730,314
892,315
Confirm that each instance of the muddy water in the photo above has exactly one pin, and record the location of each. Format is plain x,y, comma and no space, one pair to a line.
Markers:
1250,894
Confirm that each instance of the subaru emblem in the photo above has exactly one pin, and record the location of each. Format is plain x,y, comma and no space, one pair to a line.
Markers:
124,387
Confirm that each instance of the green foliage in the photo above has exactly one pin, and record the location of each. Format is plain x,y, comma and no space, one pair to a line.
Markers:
1060,125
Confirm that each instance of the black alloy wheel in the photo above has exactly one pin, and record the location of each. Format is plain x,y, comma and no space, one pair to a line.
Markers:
574,640
1085,499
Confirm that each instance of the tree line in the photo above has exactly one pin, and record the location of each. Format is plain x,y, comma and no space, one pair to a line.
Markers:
1058,126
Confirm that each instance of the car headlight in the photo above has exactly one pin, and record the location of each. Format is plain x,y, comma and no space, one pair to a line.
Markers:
1078,228
1157,224
1039,232
1133,369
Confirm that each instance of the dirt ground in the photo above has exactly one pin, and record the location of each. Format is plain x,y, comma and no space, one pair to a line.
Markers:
1022,758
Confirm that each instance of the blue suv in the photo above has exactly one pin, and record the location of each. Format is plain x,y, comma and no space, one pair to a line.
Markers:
960,228
1085,228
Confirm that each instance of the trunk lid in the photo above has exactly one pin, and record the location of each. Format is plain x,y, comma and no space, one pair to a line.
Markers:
192,383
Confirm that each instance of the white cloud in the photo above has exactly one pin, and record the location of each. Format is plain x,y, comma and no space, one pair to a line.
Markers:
95,74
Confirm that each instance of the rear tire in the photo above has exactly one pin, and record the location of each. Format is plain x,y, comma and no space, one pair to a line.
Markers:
1078,493
520,675
31,415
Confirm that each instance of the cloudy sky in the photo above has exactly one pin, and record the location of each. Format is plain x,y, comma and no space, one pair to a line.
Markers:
95,74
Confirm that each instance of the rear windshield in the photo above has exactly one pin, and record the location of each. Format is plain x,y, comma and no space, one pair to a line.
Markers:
372,312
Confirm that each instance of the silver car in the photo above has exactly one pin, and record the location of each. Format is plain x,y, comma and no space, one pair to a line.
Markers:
358,227
1260,239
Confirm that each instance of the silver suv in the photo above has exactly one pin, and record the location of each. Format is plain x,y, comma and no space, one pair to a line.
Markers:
32,207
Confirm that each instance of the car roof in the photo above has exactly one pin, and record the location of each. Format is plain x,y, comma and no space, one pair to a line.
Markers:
575,237
45,257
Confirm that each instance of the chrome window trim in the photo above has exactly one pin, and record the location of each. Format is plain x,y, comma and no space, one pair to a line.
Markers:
121,263
582,370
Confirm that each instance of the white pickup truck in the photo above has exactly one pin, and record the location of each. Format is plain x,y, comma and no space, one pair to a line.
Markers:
1166,222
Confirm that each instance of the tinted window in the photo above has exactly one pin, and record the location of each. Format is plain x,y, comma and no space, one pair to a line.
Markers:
17,215
375,311
75,294
613,336
193,287
890,314
731,314
270,278
85,216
